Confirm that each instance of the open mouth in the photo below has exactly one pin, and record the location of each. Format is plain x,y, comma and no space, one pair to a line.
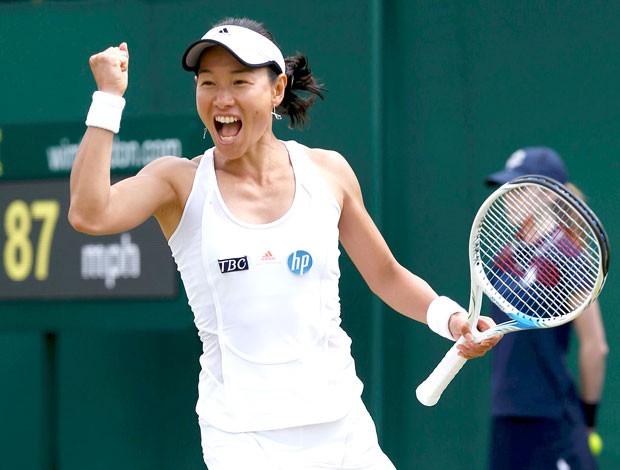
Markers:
227,127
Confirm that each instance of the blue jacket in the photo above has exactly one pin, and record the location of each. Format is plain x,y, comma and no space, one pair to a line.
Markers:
530,376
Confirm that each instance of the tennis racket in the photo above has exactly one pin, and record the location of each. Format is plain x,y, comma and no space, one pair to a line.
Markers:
536,251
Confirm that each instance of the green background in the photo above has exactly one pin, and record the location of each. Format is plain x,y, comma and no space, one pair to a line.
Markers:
425,98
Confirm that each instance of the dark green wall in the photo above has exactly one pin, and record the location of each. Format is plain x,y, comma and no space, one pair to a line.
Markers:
424,99
466,84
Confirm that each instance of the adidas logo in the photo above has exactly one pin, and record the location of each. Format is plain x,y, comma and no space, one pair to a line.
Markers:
268,256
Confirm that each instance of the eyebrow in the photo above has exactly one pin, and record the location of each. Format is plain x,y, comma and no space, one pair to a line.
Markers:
242,69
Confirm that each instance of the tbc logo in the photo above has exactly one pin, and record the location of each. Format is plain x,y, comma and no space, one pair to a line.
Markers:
233,264
299,262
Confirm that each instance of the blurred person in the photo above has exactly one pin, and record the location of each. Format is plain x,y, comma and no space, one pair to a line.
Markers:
541,418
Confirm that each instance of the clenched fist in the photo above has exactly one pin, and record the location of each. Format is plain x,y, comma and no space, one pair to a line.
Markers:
110,68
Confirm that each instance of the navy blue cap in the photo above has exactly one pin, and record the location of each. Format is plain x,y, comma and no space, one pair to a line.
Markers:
531,161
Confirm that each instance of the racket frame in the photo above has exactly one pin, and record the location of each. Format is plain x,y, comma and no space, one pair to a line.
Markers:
430,390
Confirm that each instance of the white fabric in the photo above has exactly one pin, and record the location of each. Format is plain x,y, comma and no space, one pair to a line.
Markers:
106,111
438,315
349,443
274,355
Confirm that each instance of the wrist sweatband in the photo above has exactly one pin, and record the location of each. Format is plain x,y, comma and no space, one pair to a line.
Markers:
105,111
589,413
438,315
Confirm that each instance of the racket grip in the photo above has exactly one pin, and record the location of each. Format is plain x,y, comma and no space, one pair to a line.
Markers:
429,391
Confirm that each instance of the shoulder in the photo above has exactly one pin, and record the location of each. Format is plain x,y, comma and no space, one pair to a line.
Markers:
176,171
330,162
336,170
174,176
328,159
164,165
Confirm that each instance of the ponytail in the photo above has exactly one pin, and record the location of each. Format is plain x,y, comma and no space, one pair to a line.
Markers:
301,91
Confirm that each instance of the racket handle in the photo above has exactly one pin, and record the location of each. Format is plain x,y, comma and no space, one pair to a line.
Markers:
429,391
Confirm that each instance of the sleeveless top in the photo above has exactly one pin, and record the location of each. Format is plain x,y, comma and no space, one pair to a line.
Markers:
266,304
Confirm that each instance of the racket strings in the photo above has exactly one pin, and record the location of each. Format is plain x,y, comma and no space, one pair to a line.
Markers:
546,273
538,253
539,281
569,233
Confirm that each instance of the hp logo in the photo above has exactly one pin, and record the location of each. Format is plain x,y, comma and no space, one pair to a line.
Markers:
299,262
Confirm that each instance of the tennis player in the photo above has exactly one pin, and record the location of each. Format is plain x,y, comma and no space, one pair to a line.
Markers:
254,226
541,417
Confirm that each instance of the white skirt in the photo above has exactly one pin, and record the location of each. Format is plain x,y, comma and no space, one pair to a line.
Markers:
347,444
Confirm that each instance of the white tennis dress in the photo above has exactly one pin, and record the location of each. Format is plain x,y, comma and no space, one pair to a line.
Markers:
266,305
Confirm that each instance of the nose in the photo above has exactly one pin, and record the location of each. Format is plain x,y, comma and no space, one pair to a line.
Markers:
223,98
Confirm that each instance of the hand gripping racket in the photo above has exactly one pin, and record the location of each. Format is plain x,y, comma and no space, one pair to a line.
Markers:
536,251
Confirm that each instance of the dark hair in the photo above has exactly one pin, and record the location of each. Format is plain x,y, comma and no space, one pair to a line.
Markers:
302,88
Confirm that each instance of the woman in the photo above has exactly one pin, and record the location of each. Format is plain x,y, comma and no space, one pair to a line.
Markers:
254,226
541,417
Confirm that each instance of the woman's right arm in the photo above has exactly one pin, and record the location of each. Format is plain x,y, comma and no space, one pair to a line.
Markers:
97,207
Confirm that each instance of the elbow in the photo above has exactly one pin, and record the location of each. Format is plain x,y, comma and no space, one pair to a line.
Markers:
604,350
76,221
601,349
80,223
383,280
598,351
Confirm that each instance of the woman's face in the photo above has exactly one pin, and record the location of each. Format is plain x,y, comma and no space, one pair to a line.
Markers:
235,101
528,209
515,202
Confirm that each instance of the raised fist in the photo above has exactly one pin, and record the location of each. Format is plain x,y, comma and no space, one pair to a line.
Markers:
110,67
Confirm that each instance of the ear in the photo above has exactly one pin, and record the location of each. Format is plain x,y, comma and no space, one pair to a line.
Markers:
278,89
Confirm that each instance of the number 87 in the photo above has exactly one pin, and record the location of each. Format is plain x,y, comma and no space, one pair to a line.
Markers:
18,250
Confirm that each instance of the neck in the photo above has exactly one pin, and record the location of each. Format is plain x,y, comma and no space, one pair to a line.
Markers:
266,158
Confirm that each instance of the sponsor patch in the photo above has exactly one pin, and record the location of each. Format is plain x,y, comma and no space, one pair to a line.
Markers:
267,258
230,265
299,262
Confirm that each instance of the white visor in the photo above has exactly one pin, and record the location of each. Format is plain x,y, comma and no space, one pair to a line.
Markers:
249,47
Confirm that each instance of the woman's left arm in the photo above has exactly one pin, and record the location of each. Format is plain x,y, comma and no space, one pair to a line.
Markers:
398,287
593,350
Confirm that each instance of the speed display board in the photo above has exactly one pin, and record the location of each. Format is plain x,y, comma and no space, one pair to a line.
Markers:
44,257
41,255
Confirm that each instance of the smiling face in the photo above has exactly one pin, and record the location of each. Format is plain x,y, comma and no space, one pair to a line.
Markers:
235,101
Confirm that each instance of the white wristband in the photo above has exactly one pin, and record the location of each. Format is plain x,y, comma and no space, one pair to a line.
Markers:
438,315
105,111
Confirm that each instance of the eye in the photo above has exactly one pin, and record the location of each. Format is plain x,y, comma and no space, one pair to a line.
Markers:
207,83
240,81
